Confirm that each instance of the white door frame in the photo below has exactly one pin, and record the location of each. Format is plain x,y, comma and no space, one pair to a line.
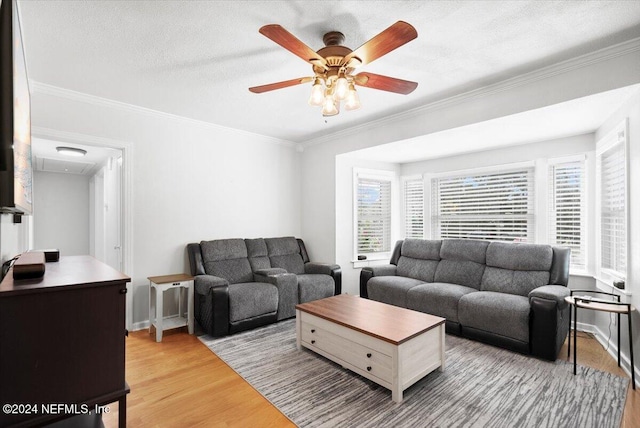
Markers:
127,194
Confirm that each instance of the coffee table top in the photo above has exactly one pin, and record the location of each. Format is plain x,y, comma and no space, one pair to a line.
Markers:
385,322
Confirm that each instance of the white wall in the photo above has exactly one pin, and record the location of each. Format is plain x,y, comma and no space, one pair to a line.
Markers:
631,111
61,212
14,237
191,181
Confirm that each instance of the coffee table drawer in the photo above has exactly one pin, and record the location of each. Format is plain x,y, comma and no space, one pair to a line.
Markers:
371,360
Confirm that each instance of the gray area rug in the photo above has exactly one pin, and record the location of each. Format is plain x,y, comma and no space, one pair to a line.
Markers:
482,386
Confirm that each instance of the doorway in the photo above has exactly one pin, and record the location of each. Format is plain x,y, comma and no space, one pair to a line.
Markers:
109,196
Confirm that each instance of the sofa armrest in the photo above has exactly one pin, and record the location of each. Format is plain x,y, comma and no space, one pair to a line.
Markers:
555,293
549,323
211,304
287,285
370,271
327,269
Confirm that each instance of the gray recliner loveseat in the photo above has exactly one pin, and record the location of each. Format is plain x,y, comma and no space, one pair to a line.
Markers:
245,283
506,294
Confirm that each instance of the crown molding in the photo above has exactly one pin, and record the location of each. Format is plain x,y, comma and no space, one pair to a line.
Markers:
46,89
543,73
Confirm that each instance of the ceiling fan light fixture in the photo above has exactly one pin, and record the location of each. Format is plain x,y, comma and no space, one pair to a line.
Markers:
330,106
317,93
352,101
332,65
342,86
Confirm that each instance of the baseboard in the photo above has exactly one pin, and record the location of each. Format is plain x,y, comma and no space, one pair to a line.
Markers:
140,325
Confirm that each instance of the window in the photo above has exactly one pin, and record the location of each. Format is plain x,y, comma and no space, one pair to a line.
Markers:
496,205
373,214
611,178
567,207
413,192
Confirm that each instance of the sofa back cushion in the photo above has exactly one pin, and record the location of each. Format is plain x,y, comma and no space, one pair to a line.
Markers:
516,268
462,262
227,258
257,253
419,259
285,253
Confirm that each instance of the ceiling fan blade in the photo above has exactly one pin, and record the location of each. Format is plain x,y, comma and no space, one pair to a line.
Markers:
280,85
391,38
290,42
384,83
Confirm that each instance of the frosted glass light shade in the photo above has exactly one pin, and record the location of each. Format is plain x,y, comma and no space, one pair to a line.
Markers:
352,101
317,94
329,108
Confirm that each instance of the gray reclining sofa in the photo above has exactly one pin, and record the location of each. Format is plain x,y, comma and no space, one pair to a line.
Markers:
245,283
505,294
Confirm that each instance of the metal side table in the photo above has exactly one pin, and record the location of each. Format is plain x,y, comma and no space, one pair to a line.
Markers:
595,304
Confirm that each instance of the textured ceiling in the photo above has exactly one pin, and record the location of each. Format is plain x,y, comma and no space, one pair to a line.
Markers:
197,59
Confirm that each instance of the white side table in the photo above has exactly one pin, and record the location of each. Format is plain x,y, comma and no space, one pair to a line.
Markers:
157,286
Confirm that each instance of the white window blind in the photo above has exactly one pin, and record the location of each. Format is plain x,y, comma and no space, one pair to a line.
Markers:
566,209
374,215
413,191
613,207
495,206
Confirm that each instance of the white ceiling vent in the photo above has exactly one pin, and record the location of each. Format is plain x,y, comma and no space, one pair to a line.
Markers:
54,165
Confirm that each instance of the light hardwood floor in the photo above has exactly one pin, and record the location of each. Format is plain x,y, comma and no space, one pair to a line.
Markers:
180,383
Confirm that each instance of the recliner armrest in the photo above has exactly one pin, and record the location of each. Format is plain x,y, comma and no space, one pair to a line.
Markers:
327,269
322,268
370,271
204,283
212,304
382,270
555,293
549,320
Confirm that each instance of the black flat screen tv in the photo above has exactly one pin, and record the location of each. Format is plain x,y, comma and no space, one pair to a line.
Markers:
16,175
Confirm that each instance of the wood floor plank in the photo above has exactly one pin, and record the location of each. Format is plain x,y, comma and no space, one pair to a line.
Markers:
179,382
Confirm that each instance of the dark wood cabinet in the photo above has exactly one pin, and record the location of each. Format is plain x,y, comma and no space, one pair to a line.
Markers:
62,342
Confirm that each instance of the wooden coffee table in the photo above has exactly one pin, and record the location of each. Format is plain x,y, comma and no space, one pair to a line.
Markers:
391,346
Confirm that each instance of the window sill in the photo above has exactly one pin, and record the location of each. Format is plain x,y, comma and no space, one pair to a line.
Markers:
604,285
372,260
581,273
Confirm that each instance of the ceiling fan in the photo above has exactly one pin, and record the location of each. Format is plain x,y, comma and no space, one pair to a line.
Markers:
334,64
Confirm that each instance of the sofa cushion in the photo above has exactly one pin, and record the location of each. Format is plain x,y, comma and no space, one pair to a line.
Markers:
257,253
464,249
391,289
527,257
251,299
417,268
421,249
462,262
461,272
227,258
223,249
513,281
285,253
438,298
498,313
314,287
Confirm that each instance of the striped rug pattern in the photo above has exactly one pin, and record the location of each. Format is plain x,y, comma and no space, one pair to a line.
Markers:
482,386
